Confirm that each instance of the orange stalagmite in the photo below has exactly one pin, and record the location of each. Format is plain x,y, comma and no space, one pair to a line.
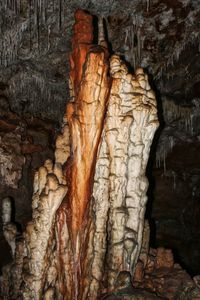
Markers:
81,44
90,85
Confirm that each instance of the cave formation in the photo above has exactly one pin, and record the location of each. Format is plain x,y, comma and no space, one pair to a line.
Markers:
87,236
93,212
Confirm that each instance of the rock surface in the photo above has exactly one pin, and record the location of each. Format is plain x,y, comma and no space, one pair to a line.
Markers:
163,36
24,145
98,193
166,278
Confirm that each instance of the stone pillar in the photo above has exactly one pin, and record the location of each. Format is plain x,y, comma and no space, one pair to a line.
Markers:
89,205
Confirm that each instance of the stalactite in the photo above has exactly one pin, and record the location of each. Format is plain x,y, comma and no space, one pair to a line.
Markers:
174,180
35,4
138,46
165,147
38,24
30,24
6,211
11,38
164,162
44,11
36,21
9,228
48,37
148,5
183,114
60,14
101,38
133,43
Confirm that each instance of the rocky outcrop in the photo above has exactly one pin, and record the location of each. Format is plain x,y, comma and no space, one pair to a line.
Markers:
164,277
11,159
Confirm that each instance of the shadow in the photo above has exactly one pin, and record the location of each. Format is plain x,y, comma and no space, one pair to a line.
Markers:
151,163
110,49
95,34
6,256
95,30
128,65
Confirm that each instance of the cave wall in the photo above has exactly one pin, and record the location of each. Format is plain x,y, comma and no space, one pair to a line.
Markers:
25,143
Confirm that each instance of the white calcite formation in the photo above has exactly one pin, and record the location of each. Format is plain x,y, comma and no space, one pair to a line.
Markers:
9,228
120,183
68,256
31,252
49,190
6,210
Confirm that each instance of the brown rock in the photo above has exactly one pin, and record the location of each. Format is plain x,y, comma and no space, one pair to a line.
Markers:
31,148
150,264
164,258
6,126
139,272
11,159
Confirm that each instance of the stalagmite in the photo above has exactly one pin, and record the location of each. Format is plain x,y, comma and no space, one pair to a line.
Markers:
85,116
9,228
89,204
6,211
120,183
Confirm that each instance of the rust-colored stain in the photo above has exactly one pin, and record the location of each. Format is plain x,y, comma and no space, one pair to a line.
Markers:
91,84
81,44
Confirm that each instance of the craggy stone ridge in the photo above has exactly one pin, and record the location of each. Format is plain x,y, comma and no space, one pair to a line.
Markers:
88,205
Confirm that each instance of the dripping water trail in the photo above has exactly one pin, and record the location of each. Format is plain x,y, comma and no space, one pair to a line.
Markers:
44,11
38,26
60,14
30,25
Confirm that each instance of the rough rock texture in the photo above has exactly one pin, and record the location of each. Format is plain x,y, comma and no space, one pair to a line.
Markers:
25,143
125,115
89,205
122,162
176,206
165,278
30,256
90,84
90,88
162,37
11,159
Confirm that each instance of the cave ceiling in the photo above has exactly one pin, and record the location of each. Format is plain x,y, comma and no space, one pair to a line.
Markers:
35,41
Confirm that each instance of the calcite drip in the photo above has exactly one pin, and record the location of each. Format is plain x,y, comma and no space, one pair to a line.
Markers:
89,204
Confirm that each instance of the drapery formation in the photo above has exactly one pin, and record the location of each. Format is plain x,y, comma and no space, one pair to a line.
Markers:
89,204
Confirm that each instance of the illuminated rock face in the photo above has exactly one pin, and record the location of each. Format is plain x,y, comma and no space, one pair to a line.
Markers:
89,205
120,184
